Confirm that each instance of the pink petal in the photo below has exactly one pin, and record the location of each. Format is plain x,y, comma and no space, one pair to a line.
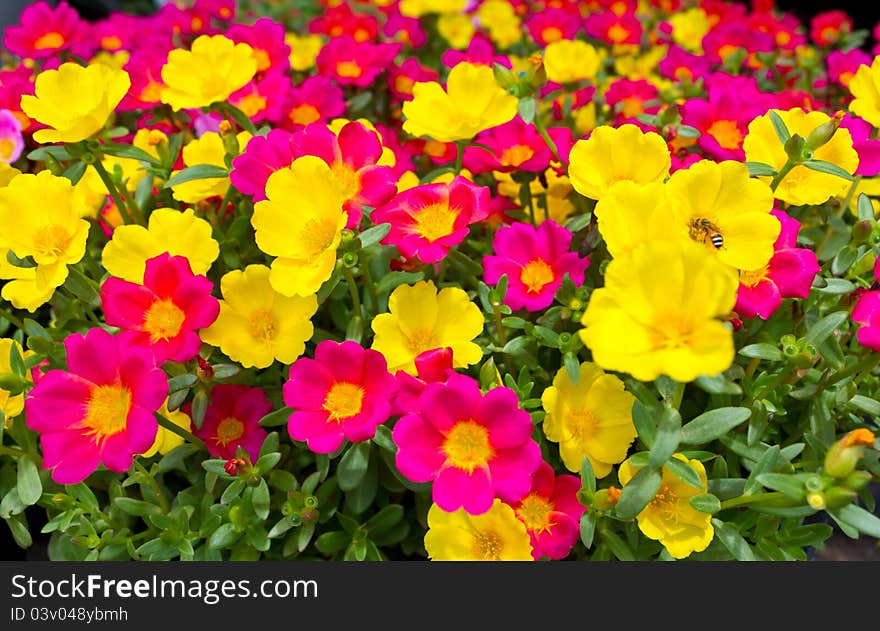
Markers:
419,454
454,489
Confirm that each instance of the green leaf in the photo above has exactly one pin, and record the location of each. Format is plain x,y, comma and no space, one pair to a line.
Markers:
353,466
733,541
779,127
199,407
579,222
825,327
129,151
375,234
828,167
636,494
197,172
385,519
330,543
276,418
181,382
432,175
705,503
384,439
305,535
619,547
767,463
865,207
786,484
135,507
75,172
223,537
686,131
760,169
644,423
20,532
836,286
79,284
667,438
83,494
392,279
866,404
260,500
588,478
56,151
29,486
858,518
685,472
588,528
762,351
572,367
713,424
527,108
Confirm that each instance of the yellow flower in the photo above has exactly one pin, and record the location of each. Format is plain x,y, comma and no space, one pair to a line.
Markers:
643,66
556,194
591,418
612,155
207,149
496,535
802,186
41,218
422,319
566,61
10,405
473,101
659,313
74,101
689,27
132,171
630,214
865,88
257,325
418,8
456,28
301,224
719,206
166,440
303,50
214,68
7,173
168,230
499,17
669,518
584,119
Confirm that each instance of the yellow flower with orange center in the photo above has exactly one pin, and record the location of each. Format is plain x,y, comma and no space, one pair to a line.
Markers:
207,149
303,50
496,535
567,61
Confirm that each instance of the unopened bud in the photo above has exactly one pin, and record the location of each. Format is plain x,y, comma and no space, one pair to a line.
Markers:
504,76
857,480
794,148
816,500
824,132
838,497
605,499
225,127
843,456
862,231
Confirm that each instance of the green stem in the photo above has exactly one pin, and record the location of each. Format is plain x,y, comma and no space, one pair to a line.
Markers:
114,192
542,131
865,366
499,327
353,290
459,155
753,366
177,429
786,168
371,286
525,196
150,481
11,451
743,500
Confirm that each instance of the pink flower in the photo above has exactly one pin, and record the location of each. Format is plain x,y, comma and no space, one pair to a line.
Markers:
429,219
723,120
266,37
13,84
317,99
479,51
516,146
611,28
100,410
789,274
534,260
868,149
553,24
683,66
232,419
628,98
43,31
551,513
145,69
842,66
829,27
474,447
11,141
724,39
406,30
263,98
262,156
354,63
345,392
163,313
402,78
431,366
867,313
341,20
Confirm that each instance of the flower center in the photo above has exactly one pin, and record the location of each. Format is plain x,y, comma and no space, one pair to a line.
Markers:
582,424
551,34
252,104
753,277
163,320
420,341
536,275
845,78
726,51
52,39
632,106
665,501
6,149
467,446
344,400
304,114
262,326
345,179
534,511
228,430
435,149
618,34
726,133
263,61
488,546
349,69
318,235
516,155
51,241
111,42
151,93
107,410
435,221
403,84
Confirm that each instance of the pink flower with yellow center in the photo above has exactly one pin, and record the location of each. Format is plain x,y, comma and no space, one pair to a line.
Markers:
515,146
317,99
98,411
262,156
789,274
723,119
843,66
426,221
11,140
164,312
474,447
43,31
341,20
611,28
431,366
263,98
266,38
345,392
628,98
551,513
144,66
349,62
402,78
535,259
232,419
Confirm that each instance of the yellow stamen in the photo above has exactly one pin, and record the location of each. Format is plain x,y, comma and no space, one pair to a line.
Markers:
163,320
344,400
467,446
536,275
228,430
488,546
52,39
535,512
435,221
107,410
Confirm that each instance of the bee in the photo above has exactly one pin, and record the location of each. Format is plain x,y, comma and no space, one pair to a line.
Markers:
703,230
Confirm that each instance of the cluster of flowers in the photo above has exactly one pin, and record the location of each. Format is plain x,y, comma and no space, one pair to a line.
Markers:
627,172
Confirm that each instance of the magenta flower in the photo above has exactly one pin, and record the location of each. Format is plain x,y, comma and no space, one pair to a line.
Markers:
867,313
100,410
534,260
480,51
868,149
262,156
263,99
842,66
232,419
266,37
354,63
345,392
516,146
683,66
317,99
427,220
43,31
164,313
11,141
723,119
789,274
474,447
628,98
431,366
551,513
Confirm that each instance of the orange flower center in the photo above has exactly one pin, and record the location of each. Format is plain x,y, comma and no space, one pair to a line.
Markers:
618,34
435,221
6,149
551,34
726,51
467,446
343,401
152,92
829,34
228,430
111,42
52,39
361,35
516,155
403,84
107,410
318,235
488,546
783,38
304,114
252,104
631,106
665,501
349,69
163,320
435,148
263,61
262,326
845,78
753,277
536,275
535,511
726,133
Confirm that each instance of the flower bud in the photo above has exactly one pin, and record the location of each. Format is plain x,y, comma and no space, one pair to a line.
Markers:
838,497
794,148
605,499
857,480
504,76
843,455
862,231
816,500
823,133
